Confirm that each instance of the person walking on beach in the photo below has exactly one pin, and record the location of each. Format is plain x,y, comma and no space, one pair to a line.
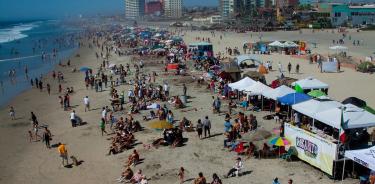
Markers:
86,101
47,137
63,154
102,126
181,175
199,128
207,127
12,113
184,89
280,67
34,119
166,90
73,118
49,89
297,68
289,67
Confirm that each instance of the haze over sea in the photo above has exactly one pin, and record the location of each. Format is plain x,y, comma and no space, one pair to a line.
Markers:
22,44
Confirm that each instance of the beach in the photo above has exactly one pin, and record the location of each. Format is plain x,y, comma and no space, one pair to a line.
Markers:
24,162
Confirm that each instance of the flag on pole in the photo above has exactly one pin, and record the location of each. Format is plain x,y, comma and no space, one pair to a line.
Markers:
342,136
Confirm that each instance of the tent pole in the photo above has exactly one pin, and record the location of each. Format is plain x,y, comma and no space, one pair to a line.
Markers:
262,102
343,171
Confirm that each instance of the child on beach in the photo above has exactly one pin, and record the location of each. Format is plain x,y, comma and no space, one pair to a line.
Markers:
181,175
12,113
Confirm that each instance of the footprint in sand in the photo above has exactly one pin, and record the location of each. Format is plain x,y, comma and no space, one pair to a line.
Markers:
153,167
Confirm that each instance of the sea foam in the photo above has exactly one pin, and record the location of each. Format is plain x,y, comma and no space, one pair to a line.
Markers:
15,32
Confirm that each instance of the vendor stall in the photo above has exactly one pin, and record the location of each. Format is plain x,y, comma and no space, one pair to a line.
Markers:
242,84
319,143
310,84
278,92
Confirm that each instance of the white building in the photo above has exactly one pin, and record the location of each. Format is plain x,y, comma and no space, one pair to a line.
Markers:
226,8
134,9
173,8
216,19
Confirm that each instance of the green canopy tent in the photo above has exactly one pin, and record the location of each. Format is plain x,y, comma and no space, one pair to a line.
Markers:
316,93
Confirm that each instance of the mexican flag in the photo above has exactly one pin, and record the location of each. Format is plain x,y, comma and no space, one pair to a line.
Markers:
342,136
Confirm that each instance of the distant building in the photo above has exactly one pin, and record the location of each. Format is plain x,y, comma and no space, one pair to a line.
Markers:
226,8
154,7
134,9
173,8
286,3
215,19
344,14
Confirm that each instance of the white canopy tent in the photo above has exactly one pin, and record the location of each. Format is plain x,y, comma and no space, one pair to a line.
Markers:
290,44
338,48
257,89
242,84
311,83
278,92
276,44
311,107
365,157
354,117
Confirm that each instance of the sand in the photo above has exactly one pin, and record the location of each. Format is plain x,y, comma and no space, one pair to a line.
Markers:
24,162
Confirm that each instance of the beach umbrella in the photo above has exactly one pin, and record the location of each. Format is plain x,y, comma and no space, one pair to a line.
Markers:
160,124
316,93
84,69
279,141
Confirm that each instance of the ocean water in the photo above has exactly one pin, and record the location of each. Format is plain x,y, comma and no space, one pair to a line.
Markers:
22,46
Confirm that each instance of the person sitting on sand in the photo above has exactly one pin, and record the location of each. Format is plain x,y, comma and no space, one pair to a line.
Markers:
113,149
177,102
126,175
137,177
133,159
250,150
200,180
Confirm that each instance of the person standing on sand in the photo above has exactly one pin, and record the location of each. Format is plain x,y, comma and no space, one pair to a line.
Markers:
63,153
289,67
207,127
47,137
49,89
199,128
12,113
86,101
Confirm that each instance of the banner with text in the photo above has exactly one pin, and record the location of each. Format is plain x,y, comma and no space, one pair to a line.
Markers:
312,148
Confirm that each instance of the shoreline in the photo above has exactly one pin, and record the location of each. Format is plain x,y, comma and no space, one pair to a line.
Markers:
40,165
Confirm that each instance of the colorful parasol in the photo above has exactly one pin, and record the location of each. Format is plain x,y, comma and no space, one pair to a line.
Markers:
279,141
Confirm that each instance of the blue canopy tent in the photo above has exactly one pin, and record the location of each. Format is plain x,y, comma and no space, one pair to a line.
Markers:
293,98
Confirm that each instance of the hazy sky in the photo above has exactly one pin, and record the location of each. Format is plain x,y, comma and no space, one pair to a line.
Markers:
36,9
